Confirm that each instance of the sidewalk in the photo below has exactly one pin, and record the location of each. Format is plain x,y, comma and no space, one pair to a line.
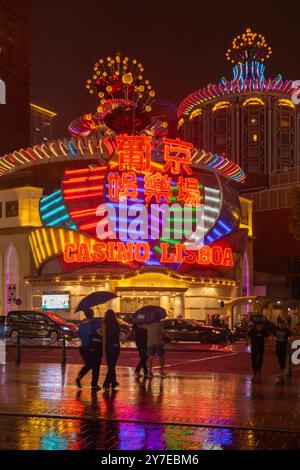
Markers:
40,406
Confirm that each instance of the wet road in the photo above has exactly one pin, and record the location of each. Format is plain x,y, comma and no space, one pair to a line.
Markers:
182,358
40,408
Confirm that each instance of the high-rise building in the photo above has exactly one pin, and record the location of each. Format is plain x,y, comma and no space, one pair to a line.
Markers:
254,120
14,71
41,124
250,118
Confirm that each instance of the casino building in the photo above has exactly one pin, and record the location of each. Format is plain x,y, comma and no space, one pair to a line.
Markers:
254,119
250,118
120,206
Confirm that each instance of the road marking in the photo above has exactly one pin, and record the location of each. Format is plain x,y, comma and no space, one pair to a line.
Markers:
198,360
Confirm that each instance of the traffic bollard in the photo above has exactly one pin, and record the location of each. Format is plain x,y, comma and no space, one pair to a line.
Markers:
18,355
64,353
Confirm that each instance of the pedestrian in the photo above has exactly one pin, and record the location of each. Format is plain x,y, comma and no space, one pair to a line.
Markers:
155,345
278,320
91,335
257,335
140,335
112,348
281,335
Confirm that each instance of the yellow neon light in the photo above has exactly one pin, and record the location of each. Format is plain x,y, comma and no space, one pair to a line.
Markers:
42,110
221,105
247,206
36,244
32,246
253,101
196,112
180,122
287,103
53,240
52,148
46,242
41,243
61,238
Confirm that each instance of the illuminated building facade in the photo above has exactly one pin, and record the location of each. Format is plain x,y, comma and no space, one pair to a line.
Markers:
251,118
106,210
14,71
41,124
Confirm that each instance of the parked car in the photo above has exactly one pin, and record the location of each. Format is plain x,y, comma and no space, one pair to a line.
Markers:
192,330
32,324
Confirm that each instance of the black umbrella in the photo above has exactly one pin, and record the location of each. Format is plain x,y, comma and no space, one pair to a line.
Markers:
149,314
96,298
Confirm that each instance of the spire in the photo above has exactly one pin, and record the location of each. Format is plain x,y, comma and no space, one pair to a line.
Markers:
248,53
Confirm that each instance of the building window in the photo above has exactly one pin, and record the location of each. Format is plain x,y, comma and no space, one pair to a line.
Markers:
0,210
221,139
284,123
284,153
284,138
12,209
253,136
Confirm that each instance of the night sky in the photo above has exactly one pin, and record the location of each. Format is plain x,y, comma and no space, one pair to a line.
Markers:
182,45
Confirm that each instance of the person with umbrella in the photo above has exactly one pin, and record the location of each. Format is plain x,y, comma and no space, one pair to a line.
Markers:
150,318
140,335
91,333
112,348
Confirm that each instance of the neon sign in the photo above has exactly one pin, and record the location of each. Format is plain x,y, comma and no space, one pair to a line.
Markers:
100,252
148,204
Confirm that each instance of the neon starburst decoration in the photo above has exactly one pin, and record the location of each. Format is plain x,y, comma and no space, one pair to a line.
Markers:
247,47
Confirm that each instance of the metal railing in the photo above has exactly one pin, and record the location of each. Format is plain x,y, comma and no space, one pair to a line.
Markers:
18,343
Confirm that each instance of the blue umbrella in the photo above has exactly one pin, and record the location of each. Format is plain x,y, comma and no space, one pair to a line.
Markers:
96,298
149,314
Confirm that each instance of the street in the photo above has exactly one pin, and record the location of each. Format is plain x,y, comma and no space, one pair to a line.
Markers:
206,401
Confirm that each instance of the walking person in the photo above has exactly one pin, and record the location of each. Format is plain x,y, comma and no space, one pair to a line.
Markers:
141,344
257,335
112,348
281,335
91,335
155,345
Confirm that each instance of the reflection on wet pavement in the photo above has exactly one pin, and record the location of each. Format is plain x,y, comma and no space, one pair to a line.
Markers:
41,408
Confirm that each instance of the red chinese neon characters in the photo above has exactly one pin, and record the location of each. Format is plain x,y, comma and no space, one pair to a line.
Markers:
177,155
121,186
157,186
134,152
189,191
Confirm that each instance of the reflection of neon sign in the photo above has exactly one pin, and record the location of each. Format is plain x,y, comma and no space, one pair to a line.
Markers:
140,252
2,92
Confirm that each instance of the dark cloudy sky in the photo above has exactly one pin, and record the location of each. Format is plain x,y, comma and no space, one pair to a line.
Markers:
182,44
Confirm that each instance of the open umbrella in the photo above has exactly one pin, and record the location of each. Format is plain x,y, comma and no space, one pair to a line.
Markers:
149,314
96,298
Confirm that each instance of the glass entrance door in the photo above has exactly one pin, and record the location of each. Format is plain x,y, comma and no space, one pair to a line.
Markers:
130,304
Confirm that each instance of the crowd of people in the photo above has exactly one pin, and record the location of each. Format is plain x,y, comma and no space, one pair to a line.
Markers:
99,337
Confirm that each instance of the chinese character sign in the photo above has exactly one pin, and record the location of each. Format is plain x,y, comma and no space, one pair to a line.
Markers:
165,182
